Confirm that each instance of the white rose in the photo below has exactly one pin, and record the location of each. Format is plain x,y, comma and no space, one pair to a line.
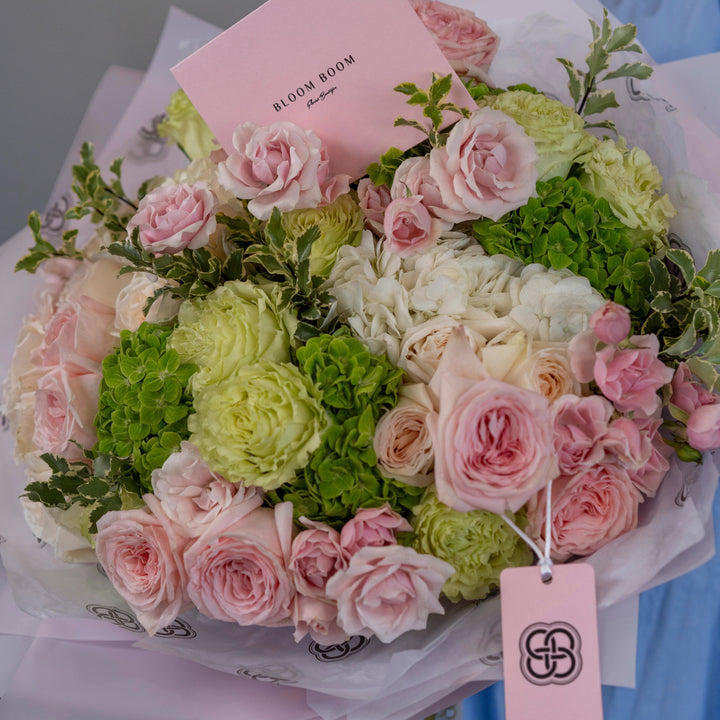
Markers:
131,300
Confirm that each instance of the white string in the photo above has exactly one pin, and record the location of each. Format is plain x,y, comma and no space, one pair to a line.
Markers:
544,562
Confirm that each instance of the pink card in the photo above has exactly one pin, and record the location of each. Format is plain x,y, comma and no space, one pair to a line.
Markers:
327,65
550,644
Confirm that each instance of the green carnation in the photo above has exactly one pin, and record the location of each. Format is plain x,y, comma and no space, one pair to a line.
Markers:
259,425
558,131
629,181
350,377
184,126
340,223
237,324
478,544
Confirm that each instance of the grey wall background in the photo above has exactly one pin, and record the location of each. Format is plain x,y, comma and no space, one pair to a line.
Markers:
52,55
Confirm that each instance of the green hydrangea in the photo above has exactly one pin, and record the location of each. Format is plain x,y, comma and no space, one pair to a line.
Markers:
350,377
630,182
236,325
184,125
144,400
558,131
259,425
340,223
342,477
478,544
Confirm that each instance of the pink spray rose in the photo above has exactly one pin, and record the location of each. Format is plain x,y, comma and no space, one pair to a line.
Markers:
373,199
281,166
703,427
580,424
316,555
408,226
413,178
688,392
174,217
627,444
142,558
192,495
318,618
486,169
631,377
387,591
611,323
588,510
237,569
465,40
372,527
583,351
647,477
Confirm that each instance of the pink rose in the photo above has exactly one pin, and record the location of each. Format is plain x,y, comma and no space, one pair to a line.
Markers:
688,392
583,351
492,441
66,403
373,199
465,40
237,569
627,444
580,423
372,527
279,166
493,445
408,226
647,477
174,217
588,510
55,273
316,555
192,495
142,558
402,441
83,327
387,591
703,427
611,323
486,169
631,377
413,178
318,618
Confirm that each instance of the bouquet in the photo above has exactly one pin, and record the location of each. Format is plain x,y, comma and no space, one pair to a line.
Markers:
274,396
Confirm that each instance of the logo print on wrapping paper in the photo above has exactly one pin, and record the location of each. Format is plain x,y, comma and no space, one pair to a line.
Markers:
339,651
274,674
550,653
178,628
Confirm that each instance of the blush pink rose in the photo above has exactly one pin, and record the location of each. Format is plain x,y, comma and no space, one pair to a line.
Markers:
192,495
611,323
316,555
372,527
493,445
625,442
588,510
580,423
142,558
688,392
387,591
631,377
413,178
583,352
66,403
466,41
486,169
647,477
403,444
317,618
703,427
281,166
174,217
238,568
409,227
373,199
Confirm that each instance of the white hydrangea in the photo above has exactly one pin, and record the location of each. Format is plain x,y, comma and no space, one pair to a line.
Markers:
383,296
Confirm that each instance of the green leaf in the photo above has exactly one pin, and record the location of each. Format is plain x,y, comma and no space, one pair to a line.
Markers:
621,37
600,101
406,88
711,270
575,80
638,70
440,88
685,263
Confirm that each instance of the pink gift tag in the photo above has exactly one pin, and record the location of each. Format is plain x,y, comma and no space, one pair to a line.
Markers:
550,644
327,65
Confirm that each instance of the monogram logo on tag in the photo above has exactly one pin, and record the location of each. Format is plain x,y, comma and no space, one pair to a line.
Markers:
550,653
